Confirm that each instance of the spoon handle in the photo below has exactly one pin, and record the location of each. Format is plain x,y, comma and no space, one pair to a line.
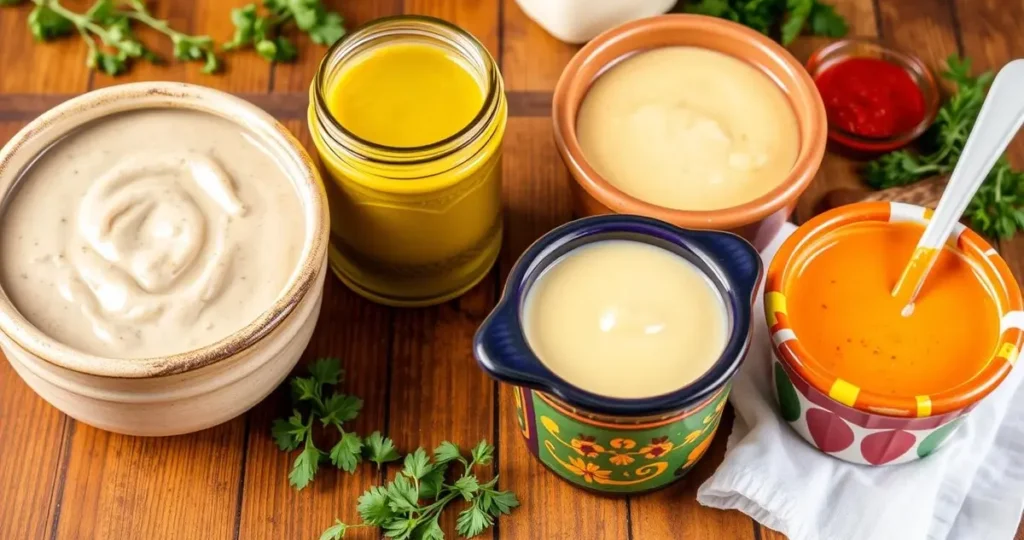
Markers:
1000,118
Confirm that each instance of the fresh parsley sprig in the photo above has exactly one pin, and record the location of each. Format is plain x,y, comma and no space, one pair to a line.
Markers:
997,210
316,401
107,31
396,507
783,20
264,32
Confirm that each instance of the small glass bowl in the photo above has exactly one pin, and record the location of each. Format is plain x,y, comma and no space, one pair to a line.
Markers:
841,50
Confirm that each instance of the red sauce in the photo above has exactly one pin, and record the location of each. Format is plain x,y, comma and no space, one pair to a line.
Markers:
871,98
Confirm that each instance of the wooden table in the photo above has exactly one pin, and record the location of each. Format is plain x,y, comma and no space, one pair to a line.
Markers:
413,368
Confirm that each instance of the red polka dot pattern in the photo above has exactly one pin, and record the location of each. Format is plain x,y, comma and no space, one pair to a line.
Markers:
829,431
885,446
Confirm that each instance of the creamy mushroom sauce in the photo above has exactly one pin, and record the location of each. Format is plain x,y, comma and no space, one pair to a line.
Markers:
150,233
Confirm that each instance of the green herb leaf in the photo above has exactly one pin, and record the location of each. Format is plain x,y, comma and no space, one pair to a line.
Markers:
289,433
467,486
335,532
400,528
286,51
379,449
373,506
341,408
417,464
244,20
429,530
483,453
46,24
432,482
780,19
101,12
824,21
326,371
473,521
799,11
305,389
264,33
446,452
402,496
328,30
500,502
347,454
305,466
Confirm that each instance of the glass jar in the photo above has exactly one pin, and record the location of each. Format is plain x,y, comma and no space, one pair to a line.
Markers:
419,225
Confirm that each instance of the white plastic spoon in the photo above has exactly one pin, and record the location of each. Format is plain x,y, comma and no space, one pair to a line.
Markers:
1000,118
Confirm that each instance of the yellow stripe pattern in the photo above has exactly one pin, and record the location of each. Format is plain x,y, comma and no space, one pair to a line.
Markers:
1009,352
774,302
844,392
924,406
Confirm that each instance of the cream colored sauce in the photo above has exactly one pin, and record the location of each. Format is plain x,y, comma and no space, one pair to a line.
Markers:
150,233
625,319
688,128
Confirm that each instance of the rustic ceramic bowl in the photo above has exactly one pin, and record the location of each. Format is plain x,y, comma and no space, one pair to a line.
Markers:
612,445
858,425
758,220
195,389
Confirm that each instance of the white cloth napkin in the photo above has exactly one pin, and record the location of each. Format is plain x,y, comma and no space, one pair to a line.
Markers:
972,488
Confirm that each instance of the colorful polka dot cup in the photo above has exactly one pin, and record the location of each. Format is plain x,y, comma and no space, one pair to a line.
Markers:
610,445
897,398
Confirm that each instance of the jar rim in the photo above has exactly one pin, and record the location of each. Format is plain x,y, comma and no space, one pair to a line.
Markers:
346,47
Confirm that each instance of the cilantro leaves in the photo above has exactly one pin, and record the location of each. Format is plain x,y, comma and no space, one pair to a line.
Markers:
107,30
997,210
783,20
396,507
316,401
263,32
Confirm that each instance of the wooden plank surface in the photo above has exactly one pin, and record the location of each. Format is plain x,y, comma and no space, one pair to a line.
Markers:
413,368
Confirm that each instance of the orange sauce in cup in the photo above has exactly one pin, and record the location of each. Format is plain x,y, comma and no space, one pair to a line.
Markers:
841,307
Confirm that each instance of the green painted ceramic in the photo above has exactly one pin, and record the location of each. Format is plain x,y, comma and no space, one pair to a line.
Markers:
616,455
612,445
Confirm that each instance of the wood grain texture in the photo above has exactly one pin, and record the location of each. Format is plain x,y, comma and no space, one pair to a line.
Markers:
477,18
152,488
30,67
357,332
536,194
531,58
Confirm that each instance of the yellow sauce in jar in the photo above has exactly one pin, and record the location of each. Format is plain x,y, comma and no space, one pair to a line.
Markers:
405,95
408,116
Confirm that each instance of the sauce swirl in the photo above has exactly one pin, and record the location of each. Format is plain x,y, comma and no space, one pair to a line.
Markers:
154,247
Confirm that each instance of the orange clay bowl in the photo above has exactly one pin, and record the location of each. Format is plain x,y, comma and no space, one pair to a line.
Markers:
758,220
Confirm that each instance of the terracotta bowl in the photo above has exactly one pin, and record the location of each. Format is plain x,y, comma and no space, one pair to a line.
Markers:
196,389
613,445
858,425
758,220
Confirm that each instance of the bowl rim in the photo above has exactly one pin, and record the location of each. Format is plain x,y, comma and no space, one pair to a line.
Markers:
805,167
298,166
836,52
789,350
502,350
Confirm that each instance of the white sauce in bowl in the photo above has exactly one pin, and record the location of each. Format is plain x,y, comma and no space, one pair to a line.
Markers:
150,233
